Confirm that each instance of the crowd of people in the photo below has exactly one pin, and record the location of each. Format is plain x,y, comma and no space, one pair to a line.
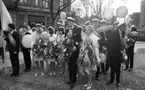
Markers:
78,49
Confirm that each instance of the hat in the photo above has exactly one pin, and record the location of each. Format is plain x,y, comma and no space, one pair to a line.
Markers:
38,24
95,20
71,19
87,23
90,28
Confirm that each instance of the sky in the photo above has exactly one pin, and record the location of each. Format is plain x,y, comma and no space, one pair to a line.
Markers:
132,5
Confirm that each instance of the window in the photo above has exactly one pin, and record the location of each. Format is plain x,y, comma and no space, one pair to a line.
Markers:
36,2
45,3
61,2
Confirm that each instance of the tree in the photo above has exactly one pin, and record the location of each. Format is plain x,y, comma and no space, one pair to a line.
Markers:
54,13
97,7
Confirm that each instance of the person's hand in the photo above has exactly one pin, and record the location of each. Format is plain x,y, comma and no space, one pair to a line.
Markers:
74,48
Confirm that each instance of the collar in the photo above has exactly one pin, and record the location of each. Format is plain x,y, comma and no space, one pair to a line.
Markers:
13,31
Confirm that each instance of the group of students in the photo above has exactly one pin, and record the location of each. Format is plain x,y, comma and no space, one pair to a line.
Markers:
81,47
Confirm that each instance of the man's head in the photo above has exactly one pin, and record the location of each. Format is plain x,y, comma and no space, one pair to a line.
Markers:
11,26
70,21
21,31
95,23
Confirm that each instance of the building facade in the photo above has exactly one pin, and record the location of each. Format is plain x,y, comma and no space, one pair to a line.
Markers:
26,12
142,14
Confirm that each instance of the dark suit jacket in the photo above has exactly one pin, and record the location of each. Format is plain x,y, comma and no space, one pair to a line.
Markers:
114,47
11,47
77,35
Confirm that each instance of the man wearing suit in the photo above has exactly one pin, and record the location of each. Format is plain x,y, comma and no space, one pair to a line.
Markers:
26,51
72,64
12,38
114,47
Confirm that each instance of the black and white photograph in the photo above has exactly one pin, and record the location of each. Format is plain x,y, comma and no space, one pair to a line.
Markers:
72,44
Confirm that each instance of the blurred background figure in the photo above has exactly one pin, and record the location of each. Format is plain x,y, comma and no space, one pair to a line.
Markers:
130,50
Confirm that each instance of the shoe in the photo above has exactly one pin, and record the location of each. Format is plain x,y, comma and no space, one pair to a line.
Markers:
42,73
69,82
118,85
125,69
54,73
86,85
50,74
109,83
16,75
90,86
98,79
36,74
27,70
130,70
72,85
12,74
77,75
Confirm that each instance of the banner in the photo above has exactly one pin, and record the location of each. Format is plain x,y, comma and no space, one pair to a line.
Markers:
5,16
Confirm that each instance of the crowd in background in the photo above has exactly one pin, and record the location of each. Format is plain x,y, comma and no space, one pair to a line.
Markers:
78,49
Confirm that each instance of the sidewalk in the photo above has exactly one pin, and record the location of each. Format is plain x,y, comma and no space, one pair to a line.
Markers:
8,62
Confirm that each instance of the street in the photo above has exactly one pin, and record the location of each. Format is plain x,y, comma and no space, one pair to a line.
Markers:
134,80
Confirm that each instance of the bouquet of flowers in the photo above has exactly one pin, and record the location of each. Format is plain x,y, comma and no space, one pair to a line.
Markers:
57,52
41,48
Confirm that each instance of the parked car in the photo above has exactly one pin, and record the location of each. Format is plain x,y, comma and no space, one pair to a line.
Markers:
141,35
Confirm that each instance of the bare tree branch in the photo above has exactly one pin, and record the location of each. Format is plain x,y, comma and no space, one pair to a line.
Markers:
62,7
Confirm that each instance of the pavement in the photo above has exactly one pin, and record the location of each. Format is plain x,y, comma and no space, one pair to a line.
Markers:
7,60
134,80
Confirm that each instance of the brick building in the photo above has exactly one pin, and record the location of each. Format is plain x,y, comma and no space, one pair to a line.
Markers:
25,12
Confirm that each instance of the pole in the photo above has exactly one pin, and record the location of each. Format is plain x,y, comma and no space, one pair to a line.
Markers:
4,53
